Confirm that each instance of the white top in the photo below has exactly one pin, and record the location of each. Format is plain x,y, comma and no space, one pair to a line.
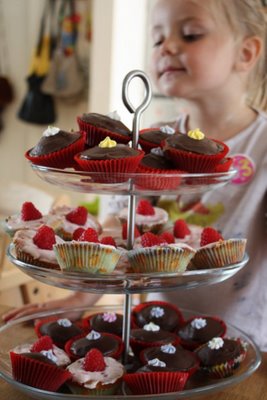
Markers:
242,299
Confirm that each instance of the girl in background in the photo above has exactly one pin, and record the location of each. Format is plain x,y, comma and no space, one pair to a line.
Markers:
211,54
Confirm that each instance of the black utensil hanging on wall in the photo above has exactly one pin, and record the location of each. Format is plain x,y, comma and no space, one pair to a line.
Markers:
38,107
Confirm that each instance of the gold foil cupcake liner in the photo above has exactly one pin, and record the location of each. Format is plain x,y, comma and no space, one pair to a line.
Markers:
86,257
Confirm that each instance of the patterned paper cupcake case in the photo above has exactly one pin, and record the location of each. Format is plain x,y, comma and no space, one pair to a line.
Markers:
87,257
220,254
160,259
102,390
226,369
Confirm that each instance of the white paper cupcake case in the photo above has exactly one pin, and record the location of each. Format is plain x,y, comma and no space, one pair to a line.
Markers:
86,257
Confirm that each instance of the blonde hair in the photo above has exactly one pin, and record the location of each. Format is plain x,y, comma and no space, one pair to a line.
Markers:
247,18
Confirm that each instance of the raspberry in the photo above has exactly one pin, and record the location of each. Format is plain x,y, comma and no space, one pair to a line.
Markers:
29,212
77,233
44,238
124,231
44,343
145,208
180,229
108,240
94,361
89,235
209,235
167,237
149,239
78,216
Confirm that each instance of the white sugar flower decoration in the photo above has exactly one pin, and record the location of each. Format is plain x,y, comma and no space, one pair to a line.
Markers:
216,343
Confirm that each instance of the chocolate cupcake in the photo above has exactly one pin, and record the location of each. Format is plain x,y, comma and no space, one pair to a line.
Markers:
98,126
109,322
152,166
56,148
199,330
194,152
152,137
219,358
110,345
109,157
59,329
175,358
150,336
155,378
161,313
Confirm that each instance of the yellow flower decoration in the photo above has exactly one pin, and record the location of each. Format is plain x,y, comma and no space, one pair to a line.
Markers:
196,134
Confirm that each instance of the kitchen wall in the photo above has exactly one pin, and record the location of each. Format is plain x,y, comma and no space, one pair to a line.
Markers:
118,46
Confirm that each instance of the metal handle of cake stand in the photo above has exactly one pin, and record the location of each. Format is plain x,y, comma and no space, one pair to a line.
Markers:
132,198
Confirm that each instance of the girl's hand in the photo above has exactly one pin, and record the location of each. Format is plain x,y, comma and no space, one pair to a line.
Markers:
74,300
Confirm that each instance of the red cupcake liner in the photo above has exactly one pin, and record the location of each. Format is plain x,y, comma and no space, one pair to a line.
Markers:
38,325
146,145
115,354
190,372
137,309
94,134
153,181
224,165
34,373
193,162
138,345
141,383
63,158
106,169
192,345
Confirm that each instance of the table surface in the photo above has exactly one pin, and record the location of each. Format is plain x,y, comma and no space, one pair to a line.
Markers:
253,388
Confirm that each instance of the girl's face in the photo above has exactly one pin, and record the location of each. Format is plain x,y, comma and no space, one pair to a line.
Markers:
193,53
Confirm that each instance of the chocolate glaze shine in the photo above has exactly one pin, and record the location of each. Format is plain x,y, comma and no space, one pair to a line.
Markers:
161,336
156,162
106,153
230,350
58,333
106,344
181,360
183,142
169,321
50,144
154,136
190,334
97,323
105,122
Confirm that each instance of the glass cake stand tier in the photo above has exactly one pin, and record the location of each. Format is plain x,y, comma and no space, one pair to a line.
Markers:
127,283
22,331
133,183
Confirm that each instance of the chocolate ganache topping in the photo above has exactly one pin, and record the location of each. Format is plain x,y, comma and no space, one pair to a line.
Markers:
175,357
105,122
108,153
54,142
228,350
154,136
60,331
184,142
107,322
165,317
105,343
156,161
152,333
201,330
